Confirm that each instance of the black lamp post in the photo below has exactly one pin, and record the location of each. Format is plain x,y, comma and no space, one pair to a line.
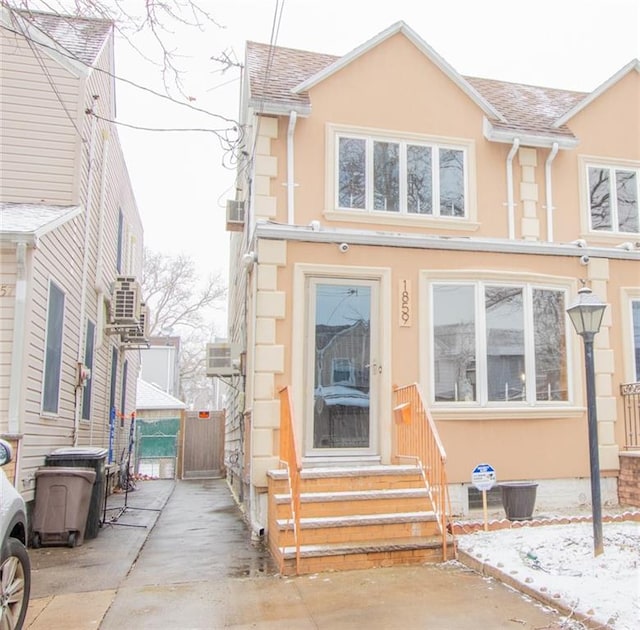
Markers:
586,315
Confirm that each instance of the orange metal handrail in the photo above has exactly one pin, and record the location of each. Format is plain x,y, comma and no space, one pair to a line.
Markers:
290,459
415,436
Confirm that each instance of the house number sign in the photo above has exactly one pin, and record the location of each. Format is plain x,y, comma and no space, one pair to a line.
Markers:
7,290
405,303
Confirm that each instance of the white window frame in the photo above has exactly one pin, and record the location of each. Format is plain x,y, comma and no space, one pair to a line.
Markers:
629,295
482,406
612,166
334,211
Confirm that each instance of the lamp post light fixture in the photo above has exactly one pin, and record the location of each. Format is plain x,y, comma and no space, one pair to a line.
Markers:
586,316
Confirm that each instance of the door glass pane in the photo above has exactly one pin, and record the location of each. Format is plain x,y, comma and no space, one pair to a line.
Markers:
635,312
352,169
451,183
341,366
454,343
419,180
386,176
599,199
627,192
505,343
550,345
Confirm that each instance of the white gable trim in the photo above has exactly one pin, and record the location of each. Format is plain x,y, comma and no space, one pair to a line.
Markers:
411,35
632,65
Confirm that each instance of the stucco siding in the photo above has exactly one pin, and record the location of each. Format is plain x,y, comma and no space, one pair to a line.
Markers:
39,137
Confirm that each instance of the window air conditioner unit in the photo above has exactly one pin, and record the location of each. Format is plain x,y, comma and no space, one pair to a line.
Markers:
139,333
223,359
235,215
125,301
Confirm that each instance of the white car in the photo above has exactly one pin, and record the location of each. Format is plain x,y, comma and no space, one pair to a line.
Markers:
15,567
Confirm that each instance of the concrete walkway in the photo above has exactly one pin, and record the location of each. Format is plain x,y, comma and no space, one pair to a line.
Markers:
193,566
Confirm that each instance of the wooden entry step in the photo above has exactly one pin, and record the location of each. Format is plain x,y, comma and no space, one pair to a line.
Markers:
354,517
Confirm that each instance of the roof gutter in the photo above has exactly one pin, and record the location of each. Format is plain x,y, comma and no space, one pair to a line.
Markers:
510,203
278,108
549,191
279,231
540,141
293,116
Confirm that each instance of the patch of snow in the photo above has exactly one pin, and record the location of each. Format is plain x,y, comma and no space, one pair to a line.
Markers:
557,561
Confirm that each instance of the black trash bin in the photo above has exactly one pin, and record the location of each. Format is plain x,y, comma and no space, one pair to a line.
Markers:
518,499
86,457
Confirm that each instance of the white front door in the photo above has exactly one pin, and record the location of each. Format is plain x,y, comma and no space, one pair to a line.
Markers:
342,367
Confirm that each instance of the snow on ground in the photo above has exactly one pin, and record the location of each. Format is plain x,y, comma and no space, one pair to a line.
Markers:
558,562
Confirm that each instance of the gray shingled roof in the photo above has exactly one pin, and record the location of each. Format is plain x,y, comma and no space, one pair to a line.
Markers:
288,68
83,38
527,109
32,219
149,396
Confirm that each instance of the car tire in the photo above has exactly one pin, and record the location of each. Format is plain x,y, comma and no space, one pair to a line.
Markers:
15,585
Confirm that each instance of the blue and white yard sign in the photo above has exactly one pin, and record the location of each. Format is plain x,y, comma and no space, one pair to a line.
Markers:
483,477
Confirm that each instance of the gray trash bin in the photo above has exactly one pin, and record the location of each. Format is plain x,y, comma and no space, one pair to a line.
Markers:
62,504
518,499
86,457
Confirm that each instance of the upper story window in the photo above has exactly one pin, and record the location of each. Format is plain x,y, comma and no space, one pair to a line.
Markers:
401,176
613,199
498,344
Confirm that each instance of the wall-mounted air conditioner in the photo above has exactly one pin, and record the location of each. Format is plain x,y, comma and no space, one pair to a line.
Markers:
235,215
223,359
125,301
140,332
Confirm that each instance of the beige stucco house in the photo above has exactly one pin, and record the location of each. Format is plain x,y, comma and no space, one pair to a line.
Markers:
69,229
397,223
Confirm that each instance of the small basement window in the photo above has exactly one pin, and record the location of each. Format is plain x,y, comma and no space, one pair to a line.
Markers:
494,497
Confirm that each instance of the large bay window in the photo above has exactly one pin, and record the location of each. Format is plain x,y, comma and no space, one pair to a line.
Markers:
401,176
613,198
498,344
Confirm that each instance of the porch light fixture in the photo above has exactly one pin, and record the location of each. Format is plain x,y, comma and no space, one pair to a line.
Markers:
586,316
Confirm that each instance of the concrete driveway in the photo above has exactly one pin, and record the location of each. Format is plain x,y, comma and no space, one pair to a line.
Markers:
181,558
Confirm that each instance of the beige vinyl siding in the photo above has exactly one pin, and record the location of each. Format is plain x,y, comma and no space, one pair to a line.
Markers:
39,112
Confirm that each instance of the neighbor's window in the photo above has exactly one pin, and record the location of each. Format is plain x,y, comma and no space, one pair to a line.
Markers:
613,199
342,372
88,361
401,177
53,350
498,344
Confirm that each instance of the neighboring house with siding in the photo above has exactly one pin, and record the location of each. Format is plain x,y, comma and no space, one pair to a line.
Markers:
69,227
453,218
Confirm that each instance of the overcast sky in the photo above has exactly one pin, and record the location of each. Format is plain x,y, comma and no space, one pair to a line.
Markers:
180,183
